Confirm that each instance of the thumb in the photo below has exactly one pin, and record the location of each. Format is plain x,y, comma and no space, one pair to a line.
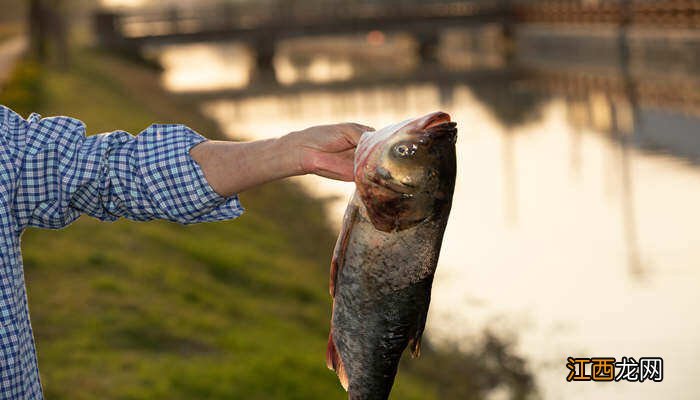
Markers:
354,131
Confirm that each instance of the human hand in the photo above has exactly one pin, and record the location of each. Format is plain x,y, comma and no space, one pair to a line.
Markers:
327,150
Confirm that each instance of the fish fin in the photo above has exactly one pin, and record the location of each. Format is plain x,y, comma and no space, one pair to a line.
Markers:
333,362
414,345
414,340
341,245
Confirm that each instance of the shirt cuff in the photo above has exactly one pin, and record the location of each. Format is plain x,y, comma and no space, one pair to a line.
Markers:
214,206
179,184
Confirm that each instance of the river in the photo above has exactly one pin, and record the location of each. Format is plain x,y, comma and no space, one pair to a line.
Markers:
575,227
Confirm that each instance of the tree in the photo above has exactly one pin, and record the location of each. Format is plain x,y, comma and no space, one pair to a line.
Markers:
48,31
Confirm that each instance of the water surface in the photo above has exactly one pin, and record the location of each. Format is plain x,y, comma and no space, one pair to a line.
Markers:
575,227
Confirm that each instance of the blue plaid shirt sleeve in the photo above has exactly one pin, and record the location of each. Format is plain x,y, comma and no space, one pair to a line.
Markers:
150,176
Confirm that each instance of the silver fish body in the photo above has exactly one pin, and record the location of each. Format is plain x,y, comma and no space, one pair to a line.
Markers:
387,254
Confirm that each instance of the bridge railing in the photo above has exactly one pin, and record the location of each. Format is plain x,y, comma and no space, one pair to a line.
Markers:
279,14
300,15
663,13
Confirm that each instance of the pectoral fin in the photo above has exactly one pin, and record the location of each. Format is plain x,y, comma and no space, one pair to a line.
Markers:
333,360
335,363
414,345
422,301
341,245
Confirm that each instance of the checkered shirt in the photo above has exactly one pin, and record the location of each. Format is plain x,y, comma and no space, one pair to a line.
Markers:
51,173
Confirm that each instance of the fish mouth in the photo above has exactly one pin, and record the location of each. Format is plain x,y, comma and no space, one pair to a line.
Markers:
447,130
435,119
437,125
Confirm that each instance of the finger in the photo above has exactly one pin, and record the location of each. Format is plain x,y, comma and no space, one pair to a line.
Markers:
363,128
336,176
348,155
354,131
335,166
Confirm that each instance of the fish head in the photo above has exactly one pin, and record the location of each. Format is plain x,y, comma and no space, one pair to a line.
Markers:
405,173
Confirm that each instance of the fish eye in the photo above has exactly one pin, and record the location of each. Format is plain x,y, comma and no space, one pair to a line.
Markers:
404,150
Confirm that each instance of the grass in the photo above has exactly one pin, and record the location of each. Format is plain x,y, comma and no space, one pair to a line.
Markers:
24,88
230,310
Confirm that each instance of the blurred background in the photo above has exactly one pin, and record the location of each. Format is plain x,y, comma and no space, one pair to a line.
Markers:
575,228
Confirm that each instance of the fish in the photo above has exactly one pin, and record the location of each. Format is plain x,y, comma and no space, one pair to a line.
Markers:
387,251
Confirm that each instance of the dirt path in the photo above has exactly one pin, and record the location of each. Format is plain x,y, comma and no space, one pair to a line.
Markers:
10,51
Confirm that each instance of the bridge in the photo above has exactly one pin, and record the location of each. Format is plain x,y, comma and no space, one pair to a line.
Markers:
261,26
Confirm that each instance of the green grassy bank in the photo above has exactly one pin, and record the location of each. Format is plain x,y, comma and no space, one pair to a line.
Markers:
231,310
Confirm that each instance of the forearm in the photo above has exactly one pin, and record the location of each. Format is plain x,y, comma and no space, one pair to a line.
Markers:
233,167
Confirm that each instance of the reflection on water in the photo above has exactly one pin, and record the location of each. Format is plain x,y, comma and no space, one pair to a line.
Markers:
231,65
574,227
335,59
215,67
